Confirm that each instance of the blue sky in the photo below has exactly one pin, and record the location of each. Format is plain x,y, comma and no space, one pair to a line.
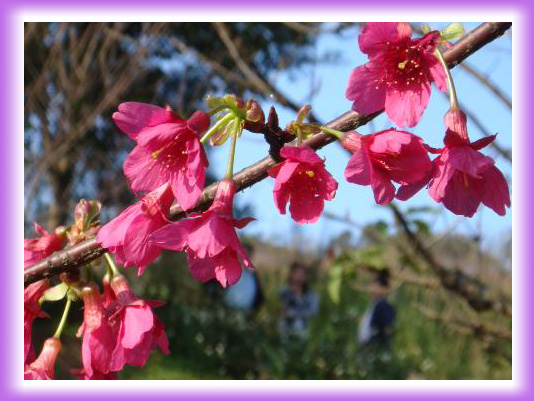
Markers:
357,202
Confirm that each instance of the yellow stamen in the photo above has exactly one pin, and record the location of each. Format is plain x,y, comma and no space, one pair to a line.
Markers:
402,65
310,173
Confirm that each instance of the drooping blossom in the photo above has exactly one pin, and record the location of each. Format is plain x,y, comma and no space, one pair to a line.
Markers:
127,234
108,296
210,239
36,249
32,309
138,330
98,338
43,367
386,156
302,180
398,74
82,375
168,150
463,177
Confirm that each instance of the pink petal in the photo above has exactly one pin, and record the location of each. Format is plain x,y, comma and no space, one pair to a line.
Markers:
461,196
137,321
376,36
405,107
363,88
383,189
326,183
156,137
285,172
358,170
201,269
404,31
469,161
138,250
303,154
306,206
241,223
173,236
437,72
495,192
443,172
132,117
143,171
113,233
483,142
227,268
389,141
199,122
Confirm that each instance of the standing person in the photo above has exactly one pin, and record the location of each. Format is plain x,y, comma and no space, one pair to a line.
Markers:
376,332
378,323
299,303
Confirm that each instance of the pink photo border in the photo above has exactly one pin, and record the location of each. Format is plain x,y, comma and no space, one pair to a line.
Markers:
11,173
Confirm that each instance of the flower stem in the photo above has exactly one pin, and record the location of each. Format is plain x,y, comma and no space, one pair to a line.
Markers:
231,157
450,82
217,125
338,134
63,318
111,264
299,136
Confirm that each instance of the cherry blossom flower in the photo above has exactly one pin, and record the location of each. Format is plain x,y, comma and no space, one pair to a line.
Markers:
463,177
32,309
398,74
386,156
98,337
36,249
210,239
81,375
168,150
43,367
127,235
138,329
302,180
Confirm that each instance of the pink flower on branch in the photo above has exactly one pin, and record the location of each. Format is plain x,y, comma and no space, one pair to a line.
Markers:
386,156
463,177
168,150
36,249
43,367
398,74
82,375
32,309
210,239
98,337
138,330
127,234
302,180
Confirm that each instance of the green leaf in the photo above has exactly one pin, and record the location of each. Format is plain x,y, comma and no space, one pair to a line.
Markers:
56,292
453,31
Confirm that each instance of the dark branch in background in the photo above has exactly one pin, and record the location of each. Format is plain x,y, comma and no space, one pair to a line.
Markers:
74,257
252,77
484,80
453,280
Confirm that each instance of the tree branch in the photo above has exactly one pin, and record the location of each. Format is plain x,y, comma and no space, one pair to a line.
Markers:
77,256
453,280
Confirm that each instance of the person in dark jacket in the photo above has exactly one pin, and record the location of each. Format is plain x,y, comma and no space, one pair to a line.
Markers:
378,323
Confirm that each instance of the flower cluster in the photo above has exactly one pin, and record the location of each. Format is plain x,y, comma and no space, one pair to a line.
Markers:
397,78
